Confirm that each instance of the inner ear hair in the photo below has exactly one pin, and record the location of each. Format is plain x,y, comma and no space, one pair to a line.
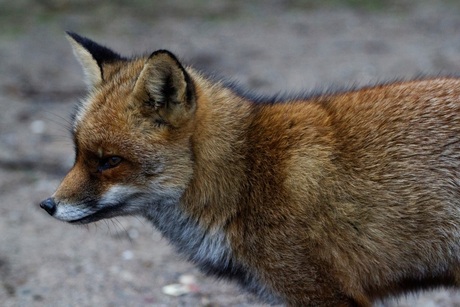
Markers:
166,82
167,87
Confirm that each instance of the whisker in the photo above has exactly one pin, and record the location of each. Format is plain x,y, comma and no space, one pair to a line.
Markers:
58,138
142,221
96,226
108,230
58,119
122,228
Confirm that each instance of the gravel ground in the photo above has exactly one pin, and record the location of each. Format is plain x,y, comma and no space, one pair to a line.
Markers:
269,46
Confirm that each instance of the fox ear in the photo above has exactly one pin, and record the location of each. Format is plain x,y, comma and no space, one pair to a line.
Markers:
167,88
92,58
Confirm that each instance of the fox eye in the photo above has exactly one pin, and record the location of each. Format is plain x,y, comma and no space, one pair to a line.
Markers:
109,162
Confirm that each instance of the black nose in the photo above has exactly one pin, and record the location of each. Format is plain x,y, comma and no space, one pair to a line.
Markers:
49,205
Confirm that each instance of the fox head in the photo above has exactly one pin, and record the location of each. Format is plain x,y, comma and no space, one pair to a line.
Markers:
131,134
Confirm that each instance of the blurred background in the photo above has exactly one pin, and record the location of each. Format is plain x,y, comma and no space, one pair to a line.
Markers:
268,46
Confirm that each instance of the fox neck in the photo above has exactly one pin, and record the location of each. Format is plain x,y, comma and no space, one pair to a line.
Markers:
203,223
196,222
219,147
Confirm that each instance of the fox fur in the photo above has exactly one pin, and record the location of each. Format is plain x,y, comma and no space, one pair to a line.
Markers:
334,199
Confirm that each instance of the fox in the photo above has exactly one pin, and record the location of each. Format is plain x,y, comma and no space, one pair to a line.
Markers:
333,198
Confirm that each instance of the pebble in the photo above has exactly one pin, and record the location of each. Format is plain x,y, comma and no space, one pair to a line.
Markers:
175,289
187,284
187,279
37,126
133,233
127,255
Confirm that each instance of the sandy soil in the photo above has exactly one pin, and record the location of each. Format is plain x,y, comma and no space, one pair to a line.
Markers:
277,46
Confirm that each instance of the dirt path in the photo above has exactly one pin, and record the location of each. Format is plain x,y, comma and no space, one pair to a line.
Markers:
269,48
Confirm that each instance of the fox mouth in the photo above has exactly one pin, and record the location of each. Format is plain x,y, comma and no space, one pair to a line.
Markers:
103,213
108,210
113,204
82,214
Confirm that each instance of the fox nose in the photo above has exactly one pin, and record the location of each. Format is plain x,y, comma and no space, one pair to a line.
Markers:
49,205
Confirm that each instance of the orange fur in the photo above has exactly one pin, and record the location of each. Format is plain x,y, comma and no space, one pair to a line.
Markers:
334,200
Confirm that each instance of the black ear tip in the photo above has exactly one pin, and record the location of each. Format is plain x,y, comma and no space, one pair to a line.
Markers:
78,38
72,34
100,53
164,52
168,54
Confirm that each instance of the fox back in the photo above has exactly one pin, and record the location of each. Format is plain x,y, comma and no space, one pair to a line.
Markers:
335,199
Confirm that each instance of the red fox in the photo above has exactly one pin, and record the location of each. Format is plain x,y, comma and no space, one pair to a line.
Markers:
332,199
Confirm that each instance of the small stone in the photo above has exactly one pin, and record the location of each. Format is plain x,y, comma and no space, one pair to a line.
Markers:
133,233
187,279
37,126
127,255
175,289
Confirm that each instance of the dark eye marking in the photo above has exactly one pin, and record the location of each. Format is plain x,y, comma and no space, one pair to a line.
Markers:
108,163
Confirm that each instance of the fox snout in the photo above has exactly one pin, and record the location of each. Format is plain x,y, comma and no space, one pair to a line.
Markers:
49,205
